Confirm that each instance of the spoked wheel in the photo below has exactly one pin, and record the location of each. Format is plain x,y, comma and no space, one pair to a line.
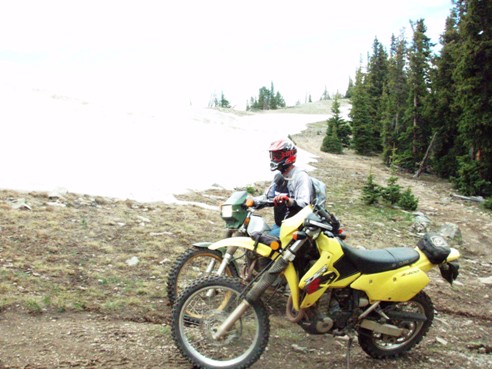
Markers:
195,263
199,312
381,346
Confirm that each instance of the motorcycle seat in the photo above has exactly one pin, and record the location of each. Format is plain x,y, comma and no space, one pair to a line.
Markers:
376,261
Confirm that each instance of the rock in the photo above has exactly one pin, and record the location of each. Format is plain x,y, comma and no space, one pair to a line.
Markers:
132,261
420,223
143,219
298,348
21,204
451,231
56,203
486,280
442,341
57,193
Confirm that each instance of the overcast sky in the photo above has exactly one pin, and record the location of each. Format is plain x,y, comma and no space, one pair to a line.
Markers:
146,53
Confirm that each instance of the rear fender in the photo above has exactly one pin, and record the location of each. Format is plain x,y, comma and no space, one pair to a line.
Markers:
453,255
244,243
425,264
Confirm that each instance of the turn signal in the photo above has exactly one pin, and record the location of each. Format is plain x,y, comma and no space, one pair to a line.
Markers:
274,245
250,202
299,236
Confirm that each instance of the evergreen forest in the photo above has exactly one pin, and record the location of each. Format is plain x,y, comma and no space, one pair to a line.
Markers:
428,112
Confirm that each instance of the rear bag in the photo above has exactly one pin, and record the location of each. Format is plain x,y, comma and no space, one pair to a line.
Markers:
435,247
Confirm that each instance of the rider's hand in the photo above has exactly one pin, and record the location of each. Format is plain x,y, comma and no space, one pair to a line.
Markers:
283,199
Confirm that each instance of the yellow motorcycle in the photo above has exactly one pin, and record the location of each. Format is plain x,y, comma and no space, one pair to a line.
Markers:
221,322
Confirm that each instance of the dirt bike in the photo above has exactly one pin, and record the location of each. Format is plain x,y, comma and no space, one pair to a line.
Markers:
238,212
376,295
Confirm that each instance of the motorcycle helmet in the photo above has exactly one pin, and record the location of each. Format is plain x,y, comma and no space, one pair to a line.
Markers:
283,154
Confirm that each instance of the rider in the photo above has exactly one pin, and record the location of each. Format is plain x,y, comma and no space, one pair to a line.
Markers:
291,189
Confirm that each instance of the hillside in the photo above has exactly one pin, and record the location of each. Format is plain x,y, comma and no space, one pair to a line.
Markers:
71,297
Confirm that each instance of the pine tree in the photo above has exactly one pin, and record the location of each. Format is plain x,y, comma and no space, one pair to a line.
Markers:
413,143
360,116
343,129
473,76
377,75
272,101
394,98
224,103
338,131
446,112
267,99
350,87
371,192
325,95
331,142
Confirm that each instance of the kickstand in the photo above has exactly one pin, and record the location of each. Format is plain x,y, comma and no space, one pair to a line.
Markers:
349,346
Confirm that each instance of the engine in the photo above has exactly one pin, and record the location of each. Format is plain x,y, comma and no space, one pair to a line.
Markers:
334,313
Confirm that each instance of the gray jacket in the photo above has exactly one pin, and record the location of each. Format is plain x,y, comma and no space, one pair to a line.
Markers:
300,188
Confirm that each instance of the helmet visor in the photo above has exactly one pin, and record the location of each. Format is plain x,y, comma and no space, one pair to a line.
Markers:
278,156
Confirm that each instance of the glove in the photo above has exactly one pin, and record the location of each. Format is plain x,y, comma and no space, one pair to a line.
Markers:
283,199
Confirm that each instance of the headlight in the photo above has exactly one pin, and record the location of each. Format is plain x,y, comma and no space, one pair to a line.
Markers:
226,211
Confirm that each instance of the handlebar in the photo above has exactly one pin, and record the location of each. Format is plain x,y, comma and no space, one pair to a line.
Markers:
257,205
324,213
333,221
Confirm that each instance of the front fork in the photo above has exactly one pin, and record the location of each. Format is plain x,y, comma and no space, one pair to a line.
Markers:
226,259
259,288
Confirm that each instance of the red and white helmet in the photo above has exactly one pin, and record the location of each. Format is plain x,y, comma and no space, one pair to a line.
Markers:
283,154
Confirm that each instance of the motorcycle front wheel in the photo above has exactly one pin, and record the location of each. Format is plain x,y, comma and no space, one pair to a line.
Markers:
381,346
193,264
199,312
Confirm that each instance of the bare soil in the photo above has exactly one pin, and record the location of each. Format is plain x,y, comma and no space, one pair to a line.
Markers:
69,299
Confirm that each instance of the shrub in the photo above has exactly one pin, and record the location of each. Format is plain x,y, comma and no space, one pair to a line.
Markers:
331,144
371,191
469,180
488,203
392,193
408,201
251,189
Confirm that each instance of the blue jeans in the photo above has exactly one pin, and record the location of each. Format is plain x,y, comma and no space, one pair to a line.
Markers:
275,231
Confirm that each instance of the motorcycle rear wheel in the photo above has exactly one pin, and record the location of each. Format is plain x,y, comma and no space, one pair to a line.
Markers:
192,265
197,314
380,346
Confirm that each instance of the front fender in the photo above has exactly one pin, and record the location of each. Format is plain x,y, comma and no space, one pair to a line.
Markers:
202,245
244,243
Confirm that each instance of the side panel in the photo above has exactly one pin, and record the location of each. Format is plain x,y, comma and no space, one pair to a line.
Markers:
395,285
332,261
310,299
332,269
